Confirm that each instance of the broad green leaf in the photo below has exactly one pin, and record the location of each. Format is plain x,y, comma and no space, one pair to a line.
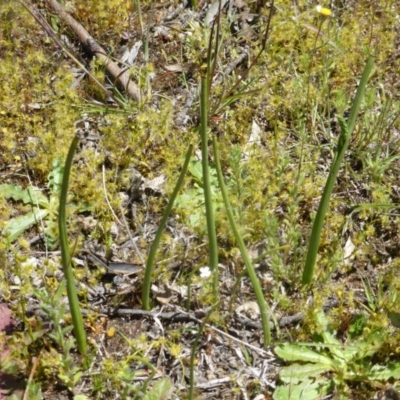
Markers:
32,195
292,352
335,346
360,349
195,169
306,390
349,352
385,372
162,390
296,373
16,226
81,397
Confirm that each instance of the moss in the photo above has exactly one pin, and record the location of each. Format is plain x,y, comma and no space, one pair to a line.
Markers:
300,82
102,18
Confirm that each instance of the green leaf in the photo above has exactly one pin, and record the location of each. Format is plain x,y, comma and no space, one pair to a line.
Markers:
65,378
306,390
51,233
81,397
16,226
351,351
329,338
385,372
344,132
77,377
55,176
357,325
33,336
296,373
54,24
59,291
34,391
67,329
32,195
292,352
231,99
162,390
195,169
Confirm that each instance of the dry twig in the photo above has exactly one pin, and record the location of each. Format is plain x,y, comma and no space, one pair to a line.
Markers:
88,41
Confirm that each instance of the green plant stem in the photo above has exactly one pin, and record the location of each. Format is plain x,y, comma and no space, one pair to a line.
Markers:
139,13
212,236
265,312
212,57
194,347
156,241
312,59
343,143
76,314
243,75
151,367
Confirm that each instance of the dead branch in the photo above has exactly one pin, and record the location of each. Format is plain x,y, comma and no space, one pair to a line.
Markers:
88,41
32,9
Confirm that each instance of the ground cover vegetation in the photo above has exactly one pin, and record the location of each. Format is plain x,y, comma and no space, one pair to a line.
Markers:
187,201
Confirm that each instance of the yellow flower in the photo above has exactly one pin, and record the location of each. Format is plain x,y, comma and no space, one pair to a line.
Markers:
111,332
324,11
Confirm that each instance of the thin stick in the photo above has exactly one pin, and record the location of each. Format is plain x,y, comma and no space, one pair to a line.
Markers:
30,379
135,247
106,197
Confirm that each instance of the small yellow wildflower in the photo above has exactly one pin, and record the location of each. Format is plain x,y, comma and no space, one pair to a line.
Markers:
111,332
324,11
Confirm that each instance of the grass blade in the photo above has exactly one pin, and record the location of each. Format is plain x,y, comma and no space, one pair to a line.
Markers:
343,143
76,314
212,236
154,246
249,266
